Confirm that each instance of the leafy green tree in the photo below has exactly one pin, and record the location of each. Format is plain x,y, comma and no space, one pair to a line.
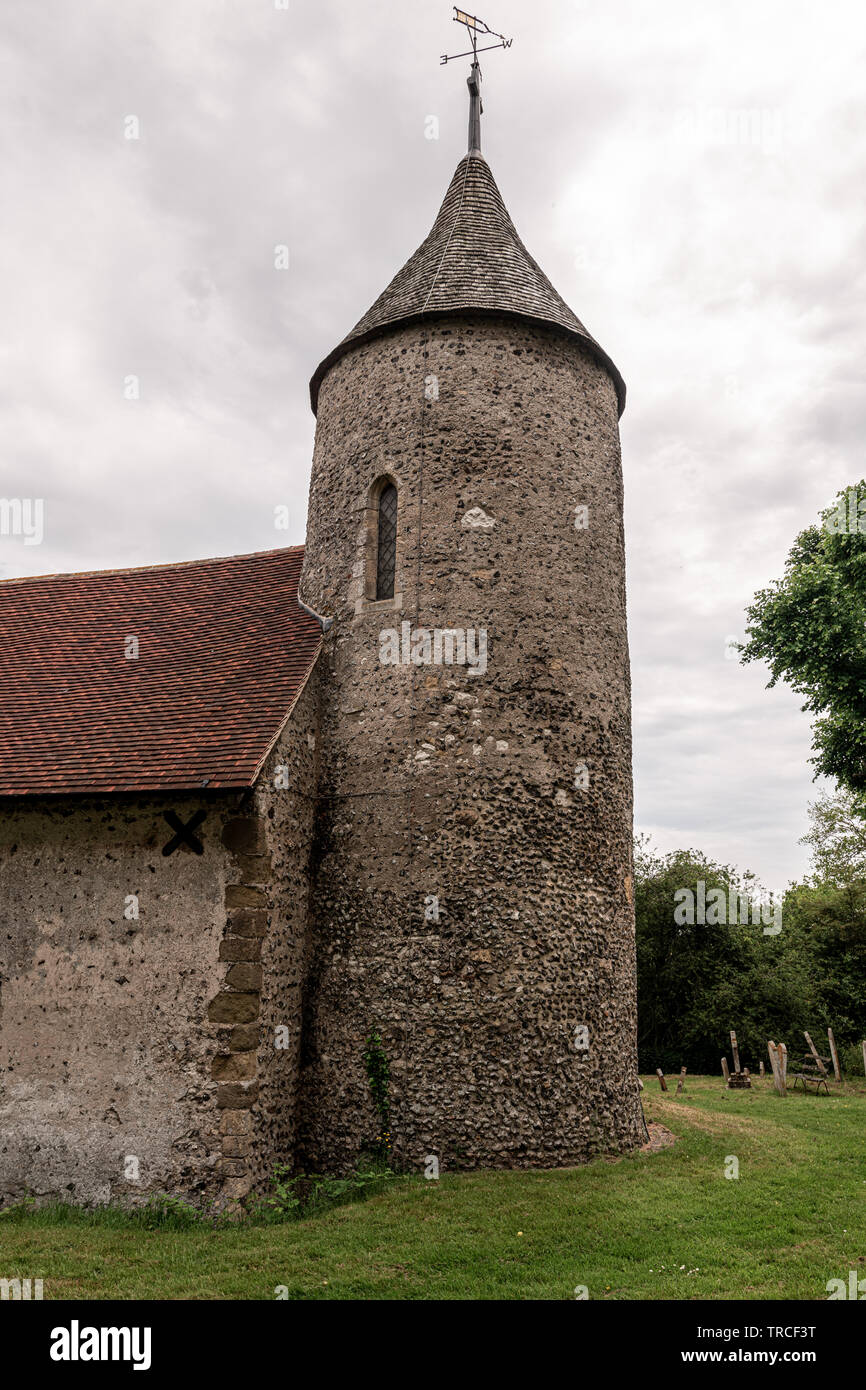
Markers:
810,628
826,927
696,980
825,916
837,838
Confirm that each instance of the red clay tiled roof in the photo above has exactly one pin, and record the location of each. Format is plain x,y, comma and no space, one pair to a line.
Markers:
224,650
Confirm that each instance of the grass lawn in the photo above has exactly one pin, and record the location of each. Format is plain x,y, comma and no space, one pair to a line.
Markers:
665,1225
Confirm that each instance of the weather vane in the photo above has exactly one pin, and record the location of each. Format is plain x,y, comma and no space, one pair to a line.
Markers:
475,26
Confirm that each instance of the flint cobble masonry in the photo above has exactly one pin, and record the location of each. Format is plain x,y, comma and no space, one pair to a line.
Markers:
461,786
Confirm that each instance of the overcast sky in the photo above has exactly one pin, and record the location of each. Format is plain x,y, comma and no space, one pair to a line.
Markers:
691,177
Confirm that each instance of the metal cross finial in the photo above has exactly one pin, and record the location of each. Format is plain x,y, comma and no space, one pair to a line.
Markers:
475,26
473,82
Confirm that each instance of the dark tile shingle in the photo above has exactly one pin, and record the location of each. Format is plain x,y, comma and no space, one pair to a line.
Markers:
473,260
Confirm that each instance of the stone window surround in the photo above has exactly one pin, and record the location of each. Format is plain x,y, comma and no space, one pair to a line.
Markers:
368,543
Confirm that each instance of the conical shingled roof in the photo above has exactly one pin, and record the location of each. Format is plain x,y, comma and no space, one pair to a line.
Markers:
473,261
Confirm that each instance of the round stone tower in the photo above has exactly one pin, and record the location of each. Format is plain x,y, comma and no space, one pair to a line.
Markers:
473,891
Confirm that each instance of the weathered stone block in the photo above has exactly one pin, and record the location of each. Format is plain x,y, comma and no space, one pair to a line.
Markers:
244,975
253,868
233,1167
233,1008
237,1095
240,948
244,1038
247,835
236,1122
247,922
236,1066
241,895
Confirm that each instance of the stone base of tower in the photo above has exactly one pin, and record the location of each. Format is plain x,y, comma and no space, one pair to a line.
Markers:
482,1124
496,1095
509,1022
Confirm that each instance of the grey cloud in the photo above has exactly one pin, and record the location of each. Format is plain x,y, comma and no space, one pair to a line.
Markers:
719,261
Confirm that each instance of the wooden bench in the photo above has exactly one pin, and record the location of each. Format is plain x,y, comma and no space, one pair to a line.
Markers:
810,1074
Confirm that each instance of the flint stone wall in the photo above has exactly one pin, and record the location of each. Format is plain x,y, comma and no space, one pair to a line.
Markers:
442,784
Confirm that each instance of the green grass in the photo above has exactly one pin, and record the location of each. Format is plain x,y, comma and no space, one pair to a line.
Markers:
667,1225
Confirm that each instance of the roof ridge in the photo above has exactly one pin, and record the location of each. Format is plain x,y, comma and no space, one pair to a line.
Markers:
153,569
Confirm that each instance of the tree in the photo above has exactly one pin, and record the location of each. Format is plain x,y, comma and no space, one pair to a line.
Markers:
825,917
697,980
810,628
837,838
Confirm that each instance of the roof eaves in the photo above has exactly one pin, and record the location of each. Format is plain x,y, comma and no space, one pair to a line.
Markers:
379,330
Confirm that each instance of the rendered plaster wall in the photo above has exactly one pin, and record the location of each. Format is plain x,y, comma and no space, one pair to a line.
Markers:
155,1048
109,957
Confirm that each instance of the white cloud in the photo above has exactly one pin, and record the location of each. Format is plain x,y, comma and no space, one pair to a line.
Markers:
689,177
